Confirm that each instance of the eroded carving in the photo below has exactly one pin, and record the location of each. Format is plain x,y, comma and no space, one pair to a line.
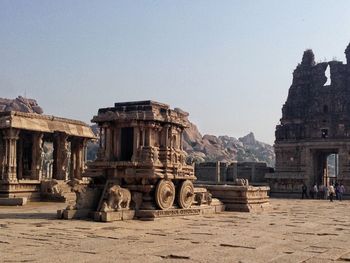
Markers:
118,198
241,182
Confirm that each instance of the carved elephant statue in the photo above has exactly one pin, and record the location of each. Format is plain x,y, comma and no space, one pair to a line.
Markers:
117,198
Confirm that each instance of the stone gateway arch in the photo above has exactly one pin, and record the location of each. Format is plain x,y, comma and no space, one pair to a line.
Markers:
315,125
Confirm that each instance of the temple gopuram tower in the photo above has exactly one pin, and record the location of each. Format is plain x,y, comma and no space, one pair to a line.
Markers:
312,143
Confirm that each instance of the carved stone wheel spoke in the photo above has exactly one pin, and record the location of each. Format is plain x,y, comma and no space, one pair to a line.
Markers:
165,194
185,196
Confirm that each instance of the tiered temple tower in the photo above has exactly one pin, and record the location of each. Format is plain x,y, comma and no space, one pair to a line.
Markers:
315,123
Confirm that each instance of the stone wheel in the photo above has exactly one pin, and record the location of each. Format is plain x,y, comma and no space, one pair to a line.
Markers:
165,194
185,196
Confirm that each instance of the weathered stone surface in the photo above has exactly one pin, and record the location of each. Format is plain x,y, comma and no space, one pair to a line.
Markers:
57,190
24,157
75,214
242,198
293,231
315,123
116,216
13,201
117,199
254,172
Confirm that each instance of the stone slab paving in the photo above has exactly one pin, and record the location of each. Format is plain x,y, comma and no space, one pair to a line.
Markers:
291,231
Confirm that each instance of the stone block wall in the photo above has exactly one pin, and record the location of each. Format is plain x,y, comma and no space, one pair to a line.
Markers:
225,172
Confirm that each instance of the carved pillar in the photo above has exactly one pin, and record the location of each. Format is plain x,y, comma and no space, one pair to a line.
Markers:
83,154
37,159
117,142
167,141
108,143
181,139
19,156
142,136
78,157
78,162
136,142
2,156
147,136
10,163
73,158
170,137
60,156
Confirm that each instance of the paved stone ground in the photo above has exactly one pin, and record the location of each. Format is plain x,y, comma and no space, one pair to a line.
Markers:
292,231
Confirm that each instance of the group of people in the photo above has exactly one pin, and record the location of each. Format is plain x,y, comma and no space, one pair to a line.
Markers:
324,192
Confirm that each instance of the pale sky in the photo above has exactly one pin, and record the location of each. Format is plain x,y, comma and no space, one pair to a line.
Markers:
228,63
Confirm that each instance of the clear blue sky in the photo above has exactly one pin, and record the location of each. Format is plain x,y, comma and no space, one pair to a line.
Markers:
228,63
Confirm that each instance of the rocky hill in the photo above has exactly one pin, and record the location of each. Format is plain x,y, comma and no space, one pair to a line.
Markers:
209,148
20,104
226,149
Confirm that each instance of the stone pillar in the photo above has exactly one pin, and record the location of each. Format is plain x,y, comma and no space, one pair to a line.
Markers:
342,162
136,143
148,136
181,139
10,163
60,156
100,137
37,160
116,143
19,156
83,157
108,143
170,137
78,157
217,172
2,156
73,159
167,141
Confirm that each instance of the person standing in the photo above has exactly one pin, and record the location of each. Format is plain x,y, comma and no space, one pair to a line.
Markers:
336,189
331,192
341,191
304,191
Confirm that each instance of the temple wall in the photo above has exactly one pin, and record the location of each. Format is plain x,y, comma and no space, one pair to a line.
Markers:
223,172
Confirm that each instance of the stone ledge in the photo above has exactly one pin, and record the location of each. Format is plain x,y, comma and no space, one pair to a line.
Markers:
74,214
114,216
215,207
13,201
195,210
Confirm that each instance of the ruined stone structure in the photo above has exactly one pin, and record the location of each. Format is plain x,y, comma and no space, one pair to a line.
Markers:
217,172
230,183
22,137
315,123
141,158
142,149
240,196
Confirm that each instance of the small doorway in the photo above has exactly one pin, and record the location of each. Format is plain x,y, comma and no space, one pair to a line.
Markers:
24,156
332,168
127,144
326,166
